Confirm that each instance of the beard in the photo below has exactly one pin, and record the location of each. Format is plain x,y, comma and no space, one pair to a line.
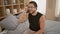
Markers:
32,12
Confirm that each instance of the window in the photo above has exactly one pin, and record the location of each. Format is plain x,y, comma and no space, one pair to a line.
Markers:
57,8
41,6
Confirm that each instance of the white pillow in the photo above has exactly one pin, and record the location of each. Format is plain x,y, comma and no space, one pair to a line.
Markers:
9,23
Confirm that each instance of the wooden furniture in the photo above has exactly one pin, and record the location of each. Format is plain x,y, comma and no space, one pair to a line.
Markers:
11,4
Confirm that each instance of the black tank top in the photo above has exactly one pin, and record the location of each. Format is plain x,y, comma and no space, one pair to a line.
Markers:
34,21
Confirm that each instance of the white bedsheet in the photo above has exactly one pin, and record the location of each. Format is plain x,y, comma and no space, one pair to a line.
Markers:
52,27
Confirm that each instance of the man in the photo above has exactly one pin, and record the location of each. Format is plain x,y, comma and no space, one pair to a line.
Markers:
36,20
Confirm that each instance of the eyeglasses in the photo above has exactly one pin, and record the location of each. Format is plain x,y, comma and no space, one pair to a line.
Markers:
31,7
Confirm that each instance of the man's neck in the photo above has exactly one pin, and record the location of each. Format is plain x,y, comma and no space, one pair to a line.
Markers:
35,13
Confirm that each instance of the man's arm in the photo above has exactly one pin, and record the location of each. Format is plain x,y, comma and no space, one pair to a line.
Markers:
42,25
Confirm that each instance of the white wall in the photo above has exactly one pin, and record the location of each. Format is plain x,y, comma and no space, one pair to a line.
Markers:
57,8
41,6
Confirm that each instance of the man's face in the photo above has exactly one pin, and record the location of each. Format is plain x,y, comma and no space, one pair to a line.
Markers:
31,8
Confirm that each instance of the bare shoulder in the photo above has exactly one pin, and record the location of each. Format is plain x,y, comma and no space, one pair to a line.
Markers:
42,19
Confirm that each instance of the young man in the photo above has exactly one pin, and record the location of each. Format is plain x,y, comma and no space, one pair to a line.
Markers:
36,20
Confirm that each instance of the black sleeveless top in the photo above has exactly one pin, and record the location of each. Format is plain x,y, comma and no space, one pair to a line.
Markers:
34,21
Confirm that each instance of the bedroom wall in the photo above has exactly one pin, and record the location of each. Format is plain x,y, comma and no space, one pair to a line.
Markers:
50,9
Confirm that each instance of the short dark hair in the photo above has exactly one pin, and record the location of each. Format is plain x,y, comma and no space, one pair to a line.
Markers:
33,2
